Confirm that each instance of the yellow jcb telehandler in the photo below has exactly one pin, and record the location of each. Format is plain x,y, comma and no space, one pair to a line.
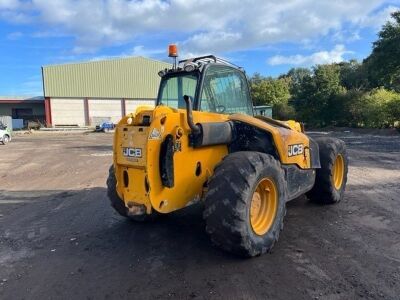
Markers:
202,142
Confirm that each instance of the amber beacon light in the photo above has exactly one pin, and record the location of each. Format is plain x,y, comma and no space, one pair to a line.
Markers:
172,50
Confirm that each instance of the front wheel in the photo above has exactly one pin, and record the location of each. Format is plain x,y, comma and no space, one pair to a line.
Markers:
6,139
245,203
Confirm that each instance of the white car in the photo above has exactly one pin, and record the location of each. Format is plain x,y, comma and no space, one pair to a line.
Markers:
5,134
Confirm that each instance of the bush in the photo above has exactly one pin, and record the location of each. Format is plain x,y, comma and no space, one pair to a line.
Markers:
379,103
283,111
392,108
377,108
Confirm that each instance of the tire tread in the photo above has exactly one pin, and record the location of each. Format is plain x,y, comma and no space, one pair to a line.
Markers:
226,208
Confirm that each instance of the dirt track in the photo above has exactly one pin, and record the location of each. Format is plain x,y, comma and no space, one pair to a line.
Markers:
60,239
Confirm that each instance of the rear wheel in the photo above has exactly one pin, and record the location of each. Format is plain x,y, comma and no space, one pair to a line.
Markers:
245,203
331,178
118,204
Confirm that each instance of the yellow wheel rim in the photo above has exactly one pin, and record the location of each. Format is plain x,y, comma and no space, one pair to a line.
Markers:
264,205
338,172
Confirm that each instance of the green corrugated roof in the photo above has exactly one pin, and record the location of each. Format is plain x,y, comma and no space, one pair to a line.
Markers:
133,77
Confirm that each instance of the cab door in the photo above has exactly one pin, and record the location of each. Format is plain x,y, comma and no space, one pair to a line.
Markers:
225,90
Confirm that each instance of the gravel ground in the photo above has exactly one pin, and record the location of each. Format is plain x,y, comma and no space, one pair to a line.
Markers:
59,238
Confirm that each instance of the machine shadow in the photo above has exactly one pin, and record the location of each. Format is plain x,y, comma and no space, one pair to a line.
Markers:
93,147
177,236
85,215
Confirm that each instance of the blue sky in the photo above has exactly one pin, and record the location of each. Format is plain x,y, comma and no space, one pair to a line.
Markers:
268,37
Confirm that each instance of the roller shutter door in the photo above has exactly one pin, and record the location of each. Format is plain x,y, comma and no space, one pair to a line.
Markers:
131,105
67,111
104,110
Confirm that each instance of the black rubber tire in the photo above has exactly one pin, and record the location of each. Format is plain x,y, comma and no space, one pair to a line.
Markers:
228,200
324,191
118,204
6,139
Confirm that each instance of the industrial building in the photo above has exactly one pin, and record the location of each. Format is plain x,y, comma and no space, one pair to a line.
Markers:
263,110
85,94
22,109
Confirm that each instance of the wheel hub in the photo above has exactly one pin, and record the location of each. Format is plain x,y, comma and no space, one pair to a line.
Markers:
264,204
338,172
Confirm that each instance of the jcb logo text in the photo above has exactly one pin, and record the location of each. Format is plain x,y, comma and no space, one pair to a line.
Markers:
296,149
132,152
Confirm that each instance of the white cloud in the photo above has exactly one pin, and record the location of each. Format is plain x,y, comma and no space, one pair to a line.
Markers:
142,51
378,19
137,51
9,4
322,57
15,11
205,43
346,36
203,26
14,35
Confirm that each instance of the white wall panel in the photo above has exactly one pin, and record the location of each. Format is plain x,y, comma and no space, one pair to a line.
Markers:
66,111
131,105
107,109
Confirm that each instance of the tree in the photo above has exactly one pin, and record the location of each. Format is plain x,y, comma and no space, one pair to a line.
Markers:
349,93
350,109
353,75
315,102
270,91
297,76
258,89
383,65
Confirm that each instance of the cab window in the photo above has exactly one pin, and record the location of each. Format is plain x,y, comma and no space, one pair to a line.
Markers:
174,88
225,90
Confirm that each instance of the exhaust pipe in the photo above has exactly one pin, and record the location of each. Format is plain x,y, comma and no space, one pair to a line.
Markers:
195,128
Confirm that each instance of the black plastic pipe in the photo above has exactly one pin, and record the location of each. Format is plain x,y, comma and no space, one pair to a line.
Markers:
195,128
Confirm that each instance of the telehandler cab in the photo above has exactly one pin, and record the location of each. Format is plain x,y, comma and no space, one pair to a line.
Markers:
202,143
